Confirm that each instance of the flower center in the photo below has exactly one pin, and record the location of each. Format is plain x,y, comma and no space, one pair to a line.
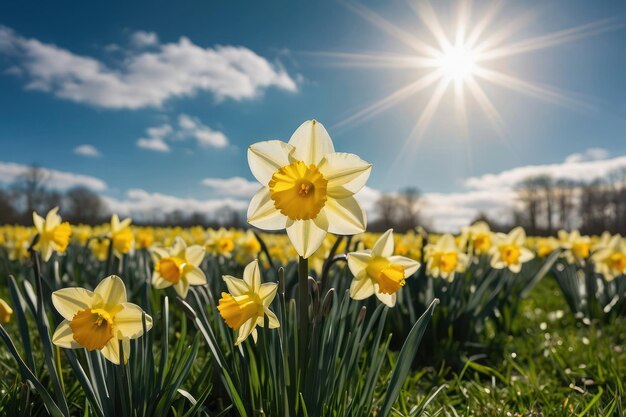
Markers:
237,310
618,261
482,243
388,276
581,250
298,190
510,254
92,328
171,269
446,261
226,245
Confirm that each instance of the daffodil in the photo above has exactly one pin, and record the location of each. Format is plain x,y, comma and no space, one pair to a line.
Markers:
546,245
144,238
247,302
5,311
248,247
378,271
509,250
576,248
99,319
444,258
54,235
610,260
477,238
178,266
220,242
307,188
121,235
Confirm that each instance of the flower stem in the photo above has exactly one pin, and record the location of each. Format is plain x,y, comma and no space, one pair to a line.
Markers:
303,311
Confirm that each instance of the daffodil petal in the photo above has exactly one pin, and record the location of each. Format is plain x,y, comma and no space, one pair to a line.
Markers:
265,158
345,216
252,276
307,236
311,142
388,299
129,323
194,275
111,351
346,173
272,319
410,266
179,246
267,292
182,288
194,255
235,286
38,221
70,301
262,212
245,330
64,336
384,245
112,290
158,253
358,261
159,282
360,289
53,219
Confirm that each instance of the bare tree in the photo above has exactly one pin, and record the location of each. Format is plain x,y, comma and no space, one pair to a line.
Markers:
409,199
387,207
84,206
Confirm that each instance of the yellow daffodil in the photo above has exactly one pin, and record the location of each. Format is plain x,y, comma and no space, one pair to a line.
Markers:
378,271
5,312
99,319
509,250
248,247
576,248
544,246
144,238
477,238
444,258
220,242
610,260
121,235
307,188
54,235
247,302
178,266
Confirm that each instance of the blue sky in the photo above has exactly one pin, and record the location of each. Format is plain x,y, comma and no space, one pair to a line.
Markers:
233,73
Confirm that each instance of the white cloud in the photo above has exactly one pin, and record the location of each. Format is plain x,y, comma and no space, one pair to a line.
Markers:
142,39
204,135
143,78
145,206
494,194
188,128
87,150
591,154
58,180
234,186
155,140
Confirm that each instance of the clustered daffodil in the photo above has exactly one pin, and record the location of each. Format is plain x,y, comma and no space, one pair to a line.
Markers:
307,188
378,271
178,266
247,302
121,236
99,319
54,234
477,238
509,250
576,248
444,258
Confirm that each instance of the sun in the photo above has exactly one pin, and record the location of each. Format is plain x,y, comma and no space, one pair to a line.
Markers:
461,59
458,62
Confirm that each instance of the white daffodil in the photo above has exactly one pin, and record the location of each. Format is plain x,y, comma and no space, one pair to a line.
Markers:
509,250
444,258
308,188
377,271
99,319
178,266
54,235
247,302
610,260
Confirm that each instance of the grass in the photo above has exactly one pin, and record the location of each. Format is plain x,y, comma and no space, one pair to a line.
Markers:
553,366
